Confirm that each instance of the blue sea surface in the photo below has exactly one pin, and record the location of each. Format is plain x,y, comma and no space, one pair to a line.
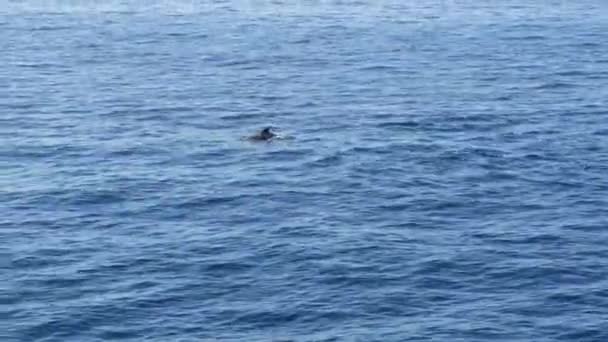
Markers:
445,177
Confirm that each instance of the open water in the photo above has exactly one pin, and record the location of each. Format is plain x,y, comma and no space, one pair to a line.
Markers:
445,179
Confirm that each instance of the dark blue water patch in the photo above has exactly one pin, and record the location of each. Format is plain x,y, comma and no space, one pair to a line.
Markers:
302,41
589,45
38,65
525,38
51,28
438,186
572,73
241,63
306,104
555,85
601,132
584,334
377,68
403,124
186,34
326,161
215,200
287,155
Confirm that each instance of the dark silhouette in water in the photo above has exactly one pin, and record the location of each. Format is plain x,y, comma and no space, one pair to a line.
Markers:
264,135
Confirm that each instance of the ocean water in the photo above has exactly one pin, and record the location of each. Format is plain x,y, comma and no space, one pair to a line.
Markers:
444,180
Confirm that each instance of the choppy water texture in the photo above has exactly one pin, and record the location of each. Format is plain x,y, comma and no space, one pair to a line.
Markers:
446,180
